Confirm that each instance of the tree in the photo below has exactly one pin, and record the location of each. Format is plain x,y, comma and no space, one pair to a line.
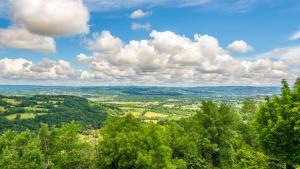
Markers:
63,148
20,150
248,158
278,124
246,126
128,143
44,136
215,129
248,109
184,147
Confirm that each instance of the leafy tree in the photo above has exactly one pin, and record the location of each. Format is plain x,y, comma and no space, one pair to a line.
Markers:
248,158
63,148
44,136
278,124
248,109
128,143
20,150
184,147
215,130
246,126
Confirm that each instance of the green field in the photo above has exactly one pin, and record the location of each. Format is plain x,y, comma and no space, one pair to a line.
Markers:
154,111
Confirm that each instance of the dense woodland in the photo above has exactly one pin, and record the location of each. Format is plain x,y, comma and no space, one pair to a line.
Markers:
255,137
20,113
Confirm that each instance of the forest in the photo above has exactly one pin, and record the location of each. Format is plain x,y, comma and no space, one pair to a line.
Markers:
264,135
20,113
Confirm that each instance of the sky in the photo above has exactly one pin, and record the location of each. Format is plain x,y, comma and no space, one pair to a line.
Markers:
146,42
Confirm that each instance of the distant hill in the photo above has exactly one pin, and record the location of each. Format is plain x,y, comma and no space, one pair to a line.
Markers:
20,113
145,92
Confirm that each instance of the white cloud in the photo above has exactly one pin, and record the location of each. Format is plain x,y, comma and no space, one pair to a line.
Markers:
295,36
105,42
240,46
289,55
165,58
138,26
139,14
19,38
168,58
36,22
51,17
22,69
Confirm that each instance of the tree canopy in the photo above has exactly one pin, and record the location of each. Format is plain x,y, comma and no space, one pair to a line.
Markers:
278,123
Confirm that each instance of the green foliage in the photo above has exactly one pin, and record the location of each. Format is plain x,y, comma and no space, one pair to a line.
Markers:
246,126
20,151
248,109
216,127
248,158
53,148
63,148
185,147
278,124
127,143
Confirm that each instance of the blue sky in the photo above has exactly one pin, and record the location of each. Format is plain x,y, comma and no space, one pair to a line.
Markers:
264,26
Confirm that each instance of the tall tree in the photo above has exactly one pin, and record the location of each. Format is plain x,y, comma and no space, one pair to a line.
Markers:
218,137
278,124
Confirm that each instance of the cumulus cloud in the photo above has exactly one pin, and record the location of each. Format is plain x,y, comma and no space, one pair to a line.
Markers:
35,23
138,26
23,69
19,38
164,58
168,58
51,17
105,42
295,36
240,46
139,14
289,55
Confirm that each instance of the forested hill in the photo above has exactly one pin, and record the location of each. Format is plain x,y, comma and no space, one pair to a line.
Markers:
21,113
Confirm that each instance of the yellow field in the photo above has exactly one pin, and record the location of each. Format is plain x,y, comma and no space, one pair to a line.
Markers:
153,115
2,109
169,105
23,116
135,114
144,104
123,103
12,101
